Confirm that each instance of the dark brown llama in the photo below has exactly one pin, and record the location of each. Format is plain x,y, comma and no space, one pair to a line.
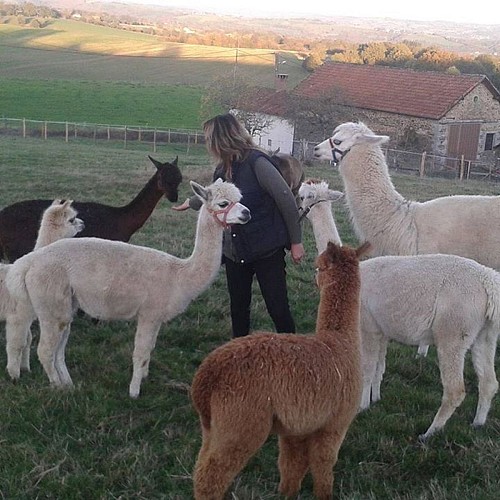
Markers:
20,221
305,388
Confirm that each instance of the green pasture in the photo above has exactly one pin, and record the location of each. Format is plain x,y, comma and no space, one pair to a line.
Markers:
95,442
72,71
118,103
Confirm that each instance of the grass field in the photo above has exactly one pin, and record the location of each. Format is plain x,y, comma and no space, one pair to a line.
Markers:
71,50
94,442
121,103
72,71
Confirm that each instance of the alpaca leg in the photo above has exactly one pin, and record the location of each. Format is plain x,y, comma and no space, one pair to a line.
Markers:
234,437
18,341
451,366
371,352
60,359
483,358
293,464
25,357
380,370
51,334
145,340
422,351
323,454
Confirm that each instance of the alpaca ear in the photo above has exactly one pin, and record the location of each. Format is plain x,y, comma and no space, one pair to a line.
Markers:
335,195
364,249
156,163
374,139
199,191
175,161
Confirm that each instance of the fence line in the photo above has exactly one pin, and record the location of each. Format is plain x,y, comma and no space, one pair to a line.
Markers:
96,132
421,164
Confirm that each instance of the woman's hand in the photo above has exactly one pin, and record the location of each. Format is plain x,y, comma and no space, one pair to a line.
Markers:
297,252
183,206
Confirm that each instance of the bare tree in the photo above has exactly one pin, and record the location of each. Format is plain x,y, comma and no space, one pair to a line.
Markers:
235,94
316,118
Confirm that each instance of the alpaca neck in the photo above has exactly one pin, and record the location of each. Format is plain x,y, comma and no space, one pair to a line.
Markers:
339,305
323,225
141,207
378,212
204,263
46,236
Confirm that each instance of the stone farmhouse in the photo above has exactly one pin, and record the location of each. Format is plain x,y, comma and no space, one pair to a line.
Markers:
444,114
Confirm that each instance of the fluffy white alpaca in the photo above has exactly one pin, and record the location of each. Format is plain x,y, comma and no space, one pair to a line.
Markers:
315,203
445,300
464,225
118,281
58,221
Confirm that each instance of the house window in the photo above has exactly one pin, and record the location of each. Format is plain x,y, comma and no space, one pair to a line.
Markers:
488,143
270,142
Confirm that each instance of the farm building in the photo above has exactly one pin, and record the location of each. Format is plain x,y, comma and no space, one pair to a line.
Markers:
265,114
445,114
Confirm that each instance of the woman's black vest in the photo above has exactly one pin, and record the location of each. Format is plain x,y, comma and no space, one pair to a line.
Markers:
266,231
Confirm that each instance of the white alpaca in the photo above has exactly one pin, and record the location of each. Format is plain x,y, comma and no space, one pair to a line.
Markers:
58,221
315,203
445,300
463,225
118,281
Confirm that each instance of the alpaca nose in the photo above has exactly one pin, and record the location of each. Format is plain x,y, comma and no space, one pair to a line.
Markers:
245,215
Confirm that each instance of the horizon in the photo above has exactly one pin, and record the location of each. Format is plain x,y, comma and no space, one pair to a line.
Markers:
428,11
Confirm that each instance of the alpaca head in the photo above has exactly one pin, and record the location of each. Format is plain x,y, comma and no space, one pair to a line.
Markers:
314,191
338,264
61,220
344,138
169,178
221,199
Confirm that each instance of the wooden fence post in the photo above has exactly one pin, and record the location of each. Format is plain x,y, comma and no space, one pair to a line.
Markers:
125,138
45,130
24,128
66,135
422,164
462,165
154,141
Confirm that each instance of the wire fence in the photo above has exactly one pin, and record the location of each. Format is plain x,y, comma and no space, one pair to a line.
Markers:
420,164
424,164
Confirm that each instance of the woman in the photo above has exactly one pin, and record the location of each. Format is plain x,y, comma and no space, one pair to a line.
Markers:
258,247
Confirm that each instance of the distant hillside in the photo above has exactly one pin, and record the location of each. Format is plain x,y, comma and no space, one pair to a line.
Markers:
456,37
71,50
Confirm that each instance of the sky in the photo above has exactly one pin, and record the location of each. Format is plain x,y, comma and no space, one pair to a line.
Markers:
481,11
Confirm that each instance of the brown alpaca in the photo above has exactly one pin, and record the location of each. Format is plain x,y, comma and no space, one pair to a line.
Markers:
307,389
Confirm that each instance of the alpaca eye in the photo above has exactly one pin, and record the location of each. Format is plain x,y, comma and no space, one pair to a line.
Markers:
337,142
224,204
72,220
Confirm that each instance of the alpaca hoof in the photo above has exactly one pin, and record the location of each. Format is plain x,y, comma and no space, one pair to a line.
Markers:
134,393
14,374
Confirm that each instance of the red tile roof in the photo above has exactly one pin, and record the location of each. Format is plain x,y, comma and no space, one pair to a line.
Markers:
268,101
422,94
